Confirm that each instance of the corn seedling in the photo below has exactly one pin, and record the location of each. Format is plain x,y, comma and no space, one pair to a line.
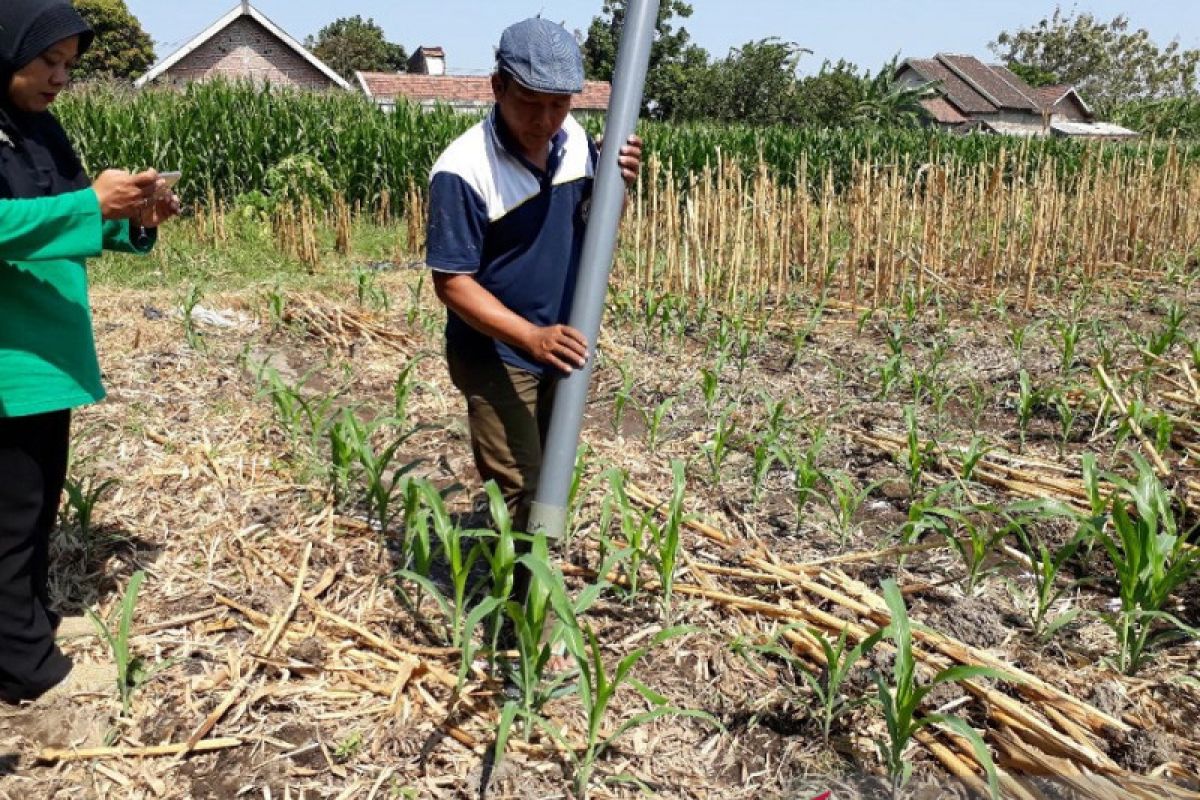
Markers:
1066,421
82,497
501,556
901,699
664,539
826,684
460,556
623,396
846,498
1027,399
655,420
808,473
131,671
546,607
975,542
368,292
402,389
277,308
1151,559
1017,334
710,386
597,688
634,525
716,449
191,301
1045,569
889,375
975,452
1068,335
918,455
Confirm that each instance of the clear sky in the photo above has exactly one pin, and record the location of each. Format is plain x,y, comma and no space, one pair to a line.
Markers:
866,32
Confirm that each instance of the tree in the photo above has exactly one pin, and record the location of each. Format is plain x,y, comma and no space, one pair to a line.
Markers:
122,50
350,44
886,101
1107,62
757,83
829,98
674,60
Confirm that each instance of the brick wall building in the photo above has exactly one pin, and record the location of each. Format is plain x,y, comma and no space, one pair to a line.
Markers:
244,45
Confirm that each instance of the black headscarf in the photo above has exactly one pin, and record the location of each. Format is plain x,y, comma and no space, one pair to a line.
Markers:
36,159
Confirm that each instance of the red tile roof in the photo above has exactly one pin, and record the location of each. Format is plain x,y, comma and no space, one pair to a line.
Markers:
998,85
462,89
942,111
956,90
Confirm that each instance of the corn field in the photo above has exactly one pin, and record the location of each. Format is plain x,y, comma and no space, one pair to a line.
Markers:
725,213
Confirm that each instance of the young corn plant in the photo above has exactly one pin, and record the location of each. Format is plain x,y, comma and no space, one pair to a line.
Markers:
664,539
918,455
975,452
716,449
131,670
900,701
82,497
1027,400
191,333
1068,336
402,390
634,525
827,685
597,688
623,396
655,419
546,607
460,551
808,473
1046,567
1152,559
501,556
846,498
1066,421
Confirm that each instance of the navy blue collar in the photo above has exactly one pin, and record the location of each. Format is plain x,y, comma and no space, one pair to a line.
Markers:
513,148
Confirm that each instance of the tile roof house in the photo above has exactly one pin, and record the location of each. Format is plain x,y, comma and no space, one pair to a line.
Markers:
971,95
244,45
428,84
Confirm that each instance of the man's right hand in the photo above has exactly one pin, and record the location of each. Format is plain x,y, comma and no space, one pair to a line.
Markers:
559,346
122,195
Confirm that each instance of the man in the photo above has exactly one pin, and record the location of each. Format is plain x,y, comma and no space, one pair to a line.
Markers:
507,215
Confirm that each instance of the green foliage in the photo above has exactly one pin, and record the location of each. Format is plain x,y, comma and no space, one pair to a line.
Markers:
352,44
225,137
885,101
901,699
121,51
131,672
297,178
825,684
674,60
1152,560
1108,63
82,496
1046,566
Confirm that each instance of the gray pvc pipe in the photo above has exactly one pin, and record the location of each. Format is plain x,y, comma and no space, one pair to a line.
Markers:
549,512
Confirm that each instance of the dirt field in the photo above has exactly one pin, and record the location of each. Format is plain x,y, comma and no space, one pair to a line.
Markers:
218,502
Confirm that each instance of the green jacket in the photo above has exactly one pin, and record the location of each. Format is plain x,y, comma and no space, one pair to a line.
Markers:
47,352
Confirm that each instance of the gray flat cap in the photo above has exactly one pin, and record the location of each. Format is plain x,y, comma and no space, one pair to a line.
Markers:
542,56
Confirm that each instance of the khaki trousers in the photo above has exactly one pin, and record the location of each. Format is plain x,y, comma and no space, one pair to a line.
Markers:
508,410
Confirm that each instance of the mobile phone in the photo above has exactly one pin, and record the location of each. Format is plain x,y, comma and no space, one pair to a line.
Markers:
171,178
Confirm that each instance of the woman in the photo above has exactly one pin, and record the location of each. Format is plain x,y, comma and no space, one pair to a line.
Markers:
51,221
